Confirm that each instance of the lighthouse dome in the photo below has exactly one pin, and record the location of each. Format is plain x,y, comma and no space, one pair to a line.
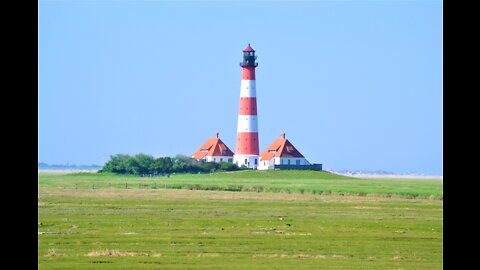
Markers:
248,49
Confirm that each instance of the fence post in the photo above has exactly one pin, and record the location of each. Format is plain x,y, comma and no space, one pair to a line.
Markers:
126,185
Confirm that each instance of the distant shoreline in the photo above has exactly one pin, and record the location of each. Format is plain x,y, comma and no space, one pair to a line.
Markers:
397,176
67,170
356,175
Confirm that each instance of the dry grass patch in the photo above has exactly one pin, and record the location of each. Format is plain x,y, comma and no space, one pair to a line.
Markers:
338,257
259,232
208,255
308,256
366,207
53,253
175,194
286,256
398,258
114,253
300,234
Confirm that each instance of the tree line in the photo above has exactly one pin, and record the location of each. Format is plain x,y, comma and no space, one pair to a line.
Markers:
142,164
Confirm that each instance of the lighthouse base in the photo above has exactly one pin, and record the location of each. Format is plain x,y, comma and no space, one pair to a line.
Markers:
249,161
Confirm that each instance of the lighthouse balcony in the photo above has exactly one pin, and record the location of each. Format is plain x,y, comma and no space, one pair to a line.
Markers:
248,64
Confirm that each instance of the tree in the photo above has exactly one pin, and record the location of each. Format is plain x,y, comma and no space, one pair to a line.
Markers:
141,164
119,163
226,166
161,165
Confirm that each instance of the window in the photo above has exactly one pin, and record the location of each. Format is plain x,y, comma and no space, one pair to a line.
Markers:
204,150
281,161
297,161
221,159
255,161
229,160
288,161
224,152
245,161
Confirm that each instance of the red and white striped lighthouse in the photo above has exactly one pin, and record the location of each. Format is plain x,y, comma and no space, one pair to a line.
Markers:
247,130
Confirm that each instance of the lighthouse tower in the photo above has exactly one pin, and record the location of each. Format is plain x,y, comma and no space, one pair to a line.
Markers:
247,129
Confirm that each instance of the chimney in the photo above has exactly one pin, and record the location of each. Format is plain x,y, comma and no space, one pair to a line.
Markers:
282,135
216,134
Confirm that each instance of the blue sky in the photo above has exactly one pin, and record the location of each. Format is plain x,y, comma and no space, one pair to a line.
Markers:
353,84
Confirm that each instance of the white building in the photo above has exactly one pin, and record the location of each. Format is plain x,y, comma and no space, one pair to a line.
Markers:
214,150
281,152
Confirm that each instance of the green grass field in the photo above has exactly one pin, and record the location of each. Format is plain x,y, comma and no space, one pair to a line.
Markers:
299,220
273,181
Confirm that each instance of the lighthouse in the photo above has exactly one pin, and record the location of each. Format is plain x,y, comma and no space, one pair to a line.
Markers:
247,129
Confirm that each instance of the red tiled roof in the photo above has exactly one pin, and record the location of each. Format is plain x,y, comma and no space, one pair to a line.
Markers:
249,49
212,147
280,148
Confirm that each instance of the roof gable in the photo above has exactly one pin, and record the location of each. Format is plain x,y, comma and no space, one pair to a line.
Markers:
212,147
289,150
281,147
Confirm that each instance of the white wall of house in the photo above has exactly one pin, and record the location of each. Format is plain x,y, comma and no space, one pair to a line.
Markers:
268,164
251,161
293,161
218,159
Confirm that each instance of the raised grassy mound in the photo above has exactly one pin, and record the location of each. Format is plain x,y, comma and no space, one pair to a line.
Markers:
315,182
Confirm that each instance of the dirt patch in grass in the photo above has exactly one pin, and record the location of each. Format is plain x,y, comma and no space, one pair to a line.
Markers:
300,234
338,257
296,256
114,253
175,194
208,255
366,207
46,233
53,253
259,232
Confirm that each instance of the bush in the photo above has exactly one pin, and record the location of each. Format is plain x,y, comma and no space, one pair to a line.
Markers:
142,164
225,166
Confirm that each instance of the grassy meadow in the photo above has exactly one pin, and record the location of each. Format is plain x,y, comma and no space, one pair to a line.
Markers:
271,181
238,220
